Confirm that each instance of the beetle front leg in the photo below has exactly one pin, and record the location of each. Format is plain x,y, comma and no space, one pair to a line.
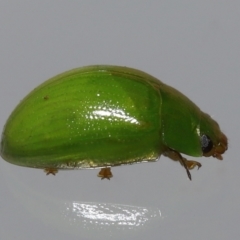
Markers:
187,164
192,164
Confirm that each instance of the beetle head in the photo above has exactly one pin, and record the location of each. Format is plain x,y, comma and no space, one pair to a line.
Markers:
217,149
214,143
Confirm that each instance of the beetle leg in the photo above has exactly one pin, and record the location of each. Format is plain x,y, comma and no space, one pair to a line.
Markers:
52,171
105,173
192,164
187,164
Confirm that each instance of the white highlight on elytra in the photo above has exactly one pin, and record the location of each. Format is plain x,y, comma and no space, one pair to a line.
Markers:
115,113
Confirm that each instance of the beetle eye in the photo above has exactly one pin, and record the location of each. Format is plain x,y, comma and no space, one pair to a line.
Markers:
206,144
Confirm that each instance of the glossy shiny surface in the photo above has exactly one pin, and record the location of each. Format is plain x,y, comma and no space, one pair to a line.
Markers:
100,116
85,118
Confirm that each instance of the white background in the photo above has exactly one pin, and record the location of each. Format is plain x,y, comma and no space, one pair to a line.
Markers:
193,46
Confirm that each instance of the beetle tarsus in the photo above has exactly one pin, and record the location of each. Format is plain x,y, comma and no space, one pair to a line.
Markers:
192,164
52,171
105,173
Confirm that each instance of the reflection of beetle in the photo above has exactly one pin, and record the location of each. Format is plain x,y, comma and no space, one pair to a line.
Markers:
103,116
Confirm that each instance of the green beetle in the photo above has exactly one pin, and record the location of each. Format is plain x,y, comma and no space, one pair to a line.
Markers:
103,116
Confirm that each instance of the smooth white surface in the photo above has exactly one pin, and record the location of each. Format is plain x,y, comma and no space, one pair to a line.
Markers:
193,46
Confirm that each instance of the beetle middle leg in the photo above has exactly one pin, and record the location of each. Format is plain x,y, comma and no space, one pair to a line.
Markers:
187,164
